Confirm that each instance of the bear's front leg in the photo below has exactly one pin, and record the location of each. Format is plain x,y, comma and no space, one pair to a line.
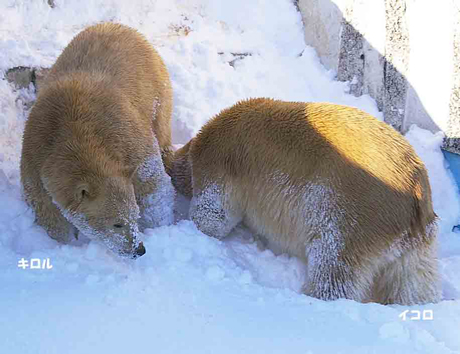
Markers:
212,212
155,193
48,216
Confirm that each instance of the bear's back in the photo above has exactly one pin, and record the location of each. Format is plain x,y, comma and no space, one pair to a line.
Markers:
125,60
100,97
257,131
119,53
266,147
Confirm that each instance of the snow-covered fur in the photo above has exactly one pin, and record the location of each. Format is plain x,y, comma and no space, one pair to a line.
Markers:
329,184
94,141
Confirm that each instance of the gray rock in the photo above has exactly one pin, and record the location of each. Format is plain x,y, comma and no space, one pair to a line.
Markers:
322,22
397,55
20,76
452,141
351,58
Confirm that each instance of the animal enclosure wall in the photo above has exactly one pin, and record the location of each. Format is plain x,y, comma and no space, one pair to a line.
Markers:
403,53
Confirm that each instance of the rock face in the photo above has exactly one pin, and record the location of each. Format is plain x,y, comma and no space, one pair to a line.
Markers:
20,76
387,49
453,143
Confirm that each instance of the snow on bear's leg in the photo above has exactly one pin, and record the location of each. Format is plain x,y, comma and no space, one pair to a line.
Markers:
330,275
155,193
212,212
335,268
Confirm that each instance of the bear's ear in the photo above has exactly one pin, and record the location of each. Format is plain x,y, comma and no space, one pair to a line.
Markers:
82,192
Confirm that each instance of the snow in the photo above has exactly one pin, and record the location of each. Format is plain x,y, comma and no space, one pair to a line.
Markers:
191,293
432,86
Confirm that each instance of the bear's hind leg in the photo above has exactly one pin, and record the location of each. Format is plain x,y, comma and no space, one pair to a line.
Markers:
331,275
410,279
212,212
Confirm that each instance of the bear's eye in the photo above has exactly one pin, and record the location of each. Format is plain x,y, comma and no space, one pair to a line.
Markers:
81,192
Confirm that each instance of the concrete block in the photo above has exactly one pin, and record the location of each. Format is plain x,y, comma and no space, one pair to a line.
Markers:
404,53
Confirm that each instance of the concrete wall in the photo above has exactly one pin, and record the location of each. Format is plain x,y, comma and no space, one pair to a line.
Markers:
404,53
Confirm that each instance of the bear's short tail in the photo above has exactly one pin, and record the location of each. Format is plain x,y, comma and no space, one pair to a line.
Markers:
424,221
181,171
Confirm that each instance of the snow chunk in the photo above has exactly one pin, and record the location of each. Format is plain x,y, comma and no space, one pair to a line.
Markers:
394,331
215,273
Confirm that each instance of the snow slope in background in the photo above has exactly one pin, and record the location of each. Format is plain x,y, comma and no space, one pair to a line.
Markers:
191,293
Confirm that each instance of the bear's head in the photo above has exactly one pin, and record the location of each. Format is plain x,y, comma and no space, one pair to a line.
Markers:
99,201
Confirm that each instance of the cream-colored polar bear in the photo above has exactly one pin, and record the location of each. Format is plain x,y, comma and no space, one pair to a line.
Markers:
95,138
326,183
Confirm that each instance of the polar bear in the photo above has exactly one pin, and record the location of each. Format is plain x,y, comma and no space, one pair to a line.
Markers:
326,183
97,141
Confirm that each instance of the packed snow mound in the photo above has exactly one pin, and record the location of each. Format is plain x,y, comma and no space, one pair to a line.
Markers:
192,293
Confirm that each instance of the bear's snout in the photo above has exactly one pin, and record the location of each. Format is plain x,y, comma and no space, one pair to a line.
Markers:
140,251
133,252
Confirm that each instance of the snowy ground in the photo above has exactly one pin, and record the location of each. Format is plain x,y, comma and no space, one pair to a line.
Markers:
191,293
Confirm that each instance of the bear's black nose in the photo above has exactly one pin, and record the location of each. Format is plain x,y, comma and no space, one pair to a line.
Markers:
140,251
